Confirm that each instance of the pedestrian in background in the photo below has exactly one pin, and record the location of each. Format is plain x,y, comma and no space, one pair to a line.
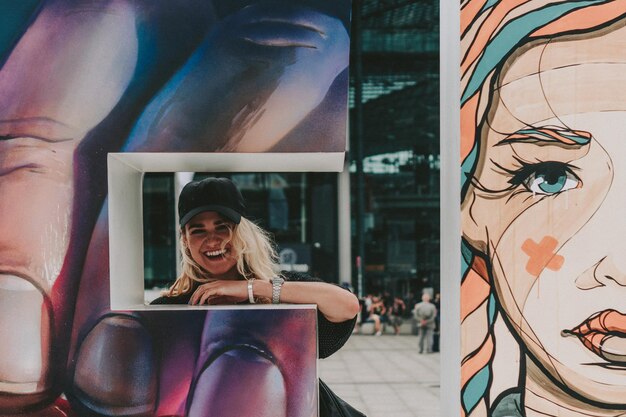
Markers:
437,303
425,314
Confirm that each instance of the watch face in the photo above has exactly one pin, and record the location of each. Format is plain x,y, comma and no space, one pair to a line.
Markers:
277,283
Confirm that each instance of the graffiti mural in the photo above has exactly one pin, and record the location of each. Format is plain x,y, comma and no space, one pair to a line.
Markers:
542,114
81,78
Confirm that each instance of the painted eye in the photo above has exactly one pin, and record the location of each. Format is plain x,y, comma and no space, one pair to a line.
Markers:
551,179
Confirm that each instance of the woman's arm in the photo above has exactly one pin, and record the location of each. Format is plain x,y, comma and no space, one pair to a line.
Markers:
337,307
334,302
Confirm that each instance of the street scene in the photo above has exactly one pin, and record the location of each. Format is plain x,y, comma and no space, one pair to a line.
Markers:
202,197
384,376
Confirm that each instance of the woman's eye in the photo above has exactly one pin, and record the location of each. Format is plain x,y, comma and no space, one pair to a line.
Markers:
223,228
548,178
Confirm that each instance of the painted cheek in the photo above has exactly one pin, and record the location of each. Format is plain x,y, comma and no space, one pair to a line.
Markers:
542,255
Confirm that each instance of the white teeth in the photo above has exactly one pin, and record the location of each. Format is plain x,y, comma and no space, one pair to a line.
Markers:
215,252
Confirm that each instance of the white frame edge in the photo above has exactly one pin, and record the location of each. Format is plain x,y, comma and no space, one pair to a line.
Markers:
450,212
233,162
125,208
125,177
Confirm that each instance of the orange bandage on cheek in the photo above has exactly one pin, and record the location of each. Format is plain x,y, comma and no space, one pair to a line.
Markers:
542,255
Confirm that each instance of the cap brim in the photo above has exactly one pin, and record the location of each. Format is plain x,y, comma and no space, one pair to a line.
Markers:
227,212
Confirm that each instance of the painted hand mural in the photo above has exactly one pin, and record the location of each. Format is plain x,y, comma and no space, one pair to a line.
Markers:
543,87
86,77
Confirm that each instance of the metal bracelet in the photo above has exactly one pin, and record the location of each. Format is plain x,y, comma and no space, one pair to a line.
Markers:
277,284
250,293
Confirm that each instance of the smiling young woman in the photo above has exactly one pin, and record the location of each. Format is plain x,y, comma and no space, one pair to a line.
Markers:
227,259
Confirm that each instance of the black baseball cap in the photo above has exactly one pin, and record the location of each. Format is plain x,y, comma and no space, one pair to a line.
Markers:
211,194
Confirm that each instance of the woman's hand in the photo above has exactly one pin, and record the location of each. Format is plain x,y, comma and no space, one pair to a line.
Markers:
220,292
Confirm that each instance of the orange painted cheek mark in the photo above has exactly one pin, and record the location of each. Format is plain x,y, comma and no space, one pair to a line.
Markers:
542,255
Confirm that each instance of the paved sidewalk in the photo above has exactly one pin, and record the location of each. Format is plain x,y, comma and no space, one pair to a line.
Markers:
384,376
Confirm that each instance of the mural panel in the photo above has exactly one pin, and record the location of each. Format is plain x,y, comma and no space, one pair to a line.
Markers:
543,108
80,78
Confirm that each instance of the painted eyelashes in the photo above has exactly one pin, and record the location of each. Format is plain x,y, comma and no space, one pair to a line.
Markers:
543,178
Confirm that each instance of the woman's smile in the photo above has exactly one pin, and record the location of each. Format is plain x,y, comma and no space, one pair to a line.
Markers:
215,253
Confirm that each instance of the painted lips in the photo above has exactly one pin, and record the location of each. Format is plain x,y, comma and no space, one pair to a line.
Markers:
604,334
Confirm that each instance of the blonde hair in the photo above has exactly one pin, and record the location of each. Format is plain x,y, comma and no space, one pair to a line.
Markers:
251,245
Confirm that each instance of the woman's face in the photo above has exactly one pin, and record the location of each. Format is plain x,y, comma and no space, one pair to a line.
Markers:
548,202
208,237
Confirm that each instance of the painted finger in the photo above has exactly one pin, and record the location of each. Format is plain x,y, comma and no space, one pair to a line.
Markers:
267,84
92,307
256,389
282,344
61,61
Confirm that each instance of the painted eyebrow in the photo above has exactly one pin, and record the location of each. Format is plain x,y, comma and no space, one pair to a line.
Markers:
546,135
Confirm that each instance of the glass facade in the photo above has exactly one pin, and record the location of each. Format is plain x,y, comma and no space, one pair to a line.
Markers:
397,132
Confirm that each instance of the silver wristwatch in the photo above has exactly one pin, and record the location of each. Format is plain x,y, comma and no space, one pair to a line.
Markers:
277,284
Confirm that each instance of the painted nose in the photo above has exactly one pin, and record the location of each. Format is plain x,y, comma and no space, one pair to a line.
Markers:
604,273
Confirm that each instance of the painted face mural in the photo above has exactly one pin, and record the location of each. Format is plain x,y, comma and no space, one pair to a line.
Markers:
544,154
83,78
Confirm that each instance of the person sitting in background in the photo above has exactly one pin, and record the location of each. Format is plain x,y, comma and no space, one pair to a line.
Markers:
368,316
380,310
398,309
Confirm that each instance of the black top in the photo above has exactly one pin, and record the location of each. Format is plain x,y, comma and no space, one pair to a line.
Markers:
330,336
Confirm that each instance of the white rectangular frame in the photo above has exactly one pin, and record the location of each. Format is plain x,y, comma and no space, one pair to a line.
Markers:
125,206
450,214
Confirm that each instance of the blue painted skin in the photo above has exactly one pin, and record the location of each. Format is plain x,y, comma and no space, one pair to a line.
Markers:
204,76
